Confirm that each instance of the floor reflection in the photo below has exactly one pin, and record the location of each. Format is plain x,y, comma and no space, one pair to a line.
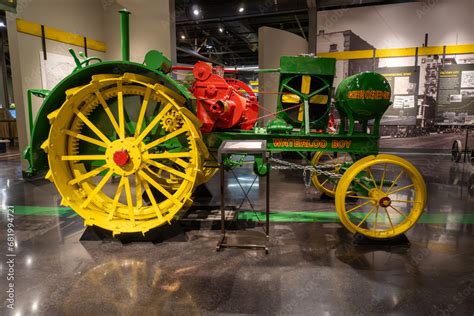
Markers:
312,266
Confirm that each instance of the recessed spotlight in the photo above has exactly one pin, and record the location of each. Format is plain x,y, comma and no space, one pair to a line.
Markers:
241,9
183,37
196,12
221,29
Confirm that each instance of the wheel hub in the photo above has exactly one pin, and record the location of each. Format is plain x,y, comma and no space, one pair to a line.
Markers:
385,202
124,157
121,158
380,198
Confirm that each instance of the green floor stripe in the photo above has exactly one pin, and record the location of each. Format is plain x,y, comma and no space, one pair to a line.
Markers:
295,217
331,217
44,210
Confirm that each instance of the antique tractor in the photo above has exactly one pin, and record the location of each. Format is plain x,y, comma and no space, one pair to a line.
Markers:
126,145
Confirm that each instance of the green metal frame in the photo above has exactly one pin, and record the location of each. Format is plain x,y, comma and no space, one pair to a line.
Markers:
279,134
293,67
295,142
35,156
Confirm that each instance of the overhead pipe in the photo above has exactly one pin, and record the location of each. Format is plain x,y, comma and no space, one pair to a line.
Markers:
197,55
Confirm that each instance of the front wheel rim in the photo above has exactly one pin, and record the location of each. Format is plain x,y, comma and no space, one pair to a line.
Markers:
389,199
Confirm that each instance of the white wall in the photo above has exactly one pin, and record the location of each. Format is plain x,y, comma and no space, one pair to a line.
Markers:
97,19
272,44
149,28
447,22
80,17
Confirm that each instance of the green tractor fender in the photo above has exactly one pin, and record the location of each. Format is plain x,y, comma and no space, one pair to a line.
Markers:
35,156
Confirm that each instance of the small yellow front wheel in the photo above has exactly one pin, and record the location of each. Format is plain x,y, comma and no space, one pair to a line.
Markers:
387,196
330,162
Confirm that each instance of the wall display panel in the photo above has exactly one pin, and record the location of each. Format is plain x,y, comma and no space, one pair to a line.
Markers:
456,94
404,82
54,69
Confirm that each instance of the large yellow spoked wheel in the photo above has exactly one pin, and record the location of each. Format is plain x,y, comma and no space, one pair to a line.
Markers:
208,169
124,153
386,196
329,162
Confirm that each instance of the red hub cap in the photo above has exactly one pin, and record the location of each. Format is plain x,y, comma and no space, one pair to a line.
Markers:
121,158
385,202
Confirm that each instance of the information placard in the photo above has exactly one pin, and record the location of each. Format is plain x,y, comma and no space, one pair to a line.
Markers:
456,94
404,83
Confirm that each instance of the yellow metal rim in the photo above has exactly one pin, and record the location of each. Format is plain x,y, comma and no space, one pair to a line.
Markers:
379,200
149,170
321,182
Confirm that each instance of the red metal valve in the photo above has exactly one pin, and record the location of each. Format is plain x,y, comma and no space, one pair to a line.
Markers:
121,158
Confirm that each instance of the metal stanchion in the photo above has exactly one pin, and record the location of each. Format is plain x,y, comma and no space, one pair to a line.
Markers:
254,148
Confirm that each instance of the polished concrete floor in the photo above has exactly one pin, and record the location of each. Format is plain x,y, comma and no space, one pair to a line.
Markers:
313,268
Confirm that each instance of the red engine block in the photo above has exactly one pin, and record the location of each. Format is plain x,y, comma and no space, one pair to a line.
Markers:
220,102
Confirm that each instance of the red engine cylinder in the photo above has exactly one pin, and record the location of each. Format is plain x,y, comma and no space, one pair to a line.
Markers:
220,102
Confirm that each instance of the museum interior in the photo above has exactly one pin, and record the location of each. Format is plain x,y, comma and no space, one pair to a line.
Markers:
273,157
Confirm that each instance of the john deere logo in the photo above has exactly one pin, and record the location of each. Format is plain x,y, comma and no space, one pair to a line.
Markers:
369,95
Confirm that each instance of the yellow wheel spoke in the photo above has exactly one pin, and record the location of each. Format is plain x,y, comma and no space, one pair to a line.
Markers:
383,176
116,199
395,181
138,191
86,138
170,170
121,111
152,200
401,189
389,219
128,194
358,206
167,155
108,111
153,123
158,186
97,188
165,138
324,182
397,210
143,109
375,219
359,197
406,201
88,175
372,177
83,157
180,162
92,127
358,182
366,216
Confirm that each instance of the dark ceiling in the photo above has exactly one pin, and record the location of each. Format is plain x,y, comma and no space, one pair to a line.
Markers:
223,34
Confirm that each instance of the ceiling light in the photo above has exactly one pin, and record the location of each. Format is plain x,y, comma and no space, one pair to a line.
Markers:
196,12
2,24
221,29
183,37
241,9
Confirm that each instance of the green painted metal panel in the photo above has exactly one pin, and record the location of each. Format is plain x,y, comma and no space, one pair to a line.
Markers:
308,65
363,96
34,154
363,143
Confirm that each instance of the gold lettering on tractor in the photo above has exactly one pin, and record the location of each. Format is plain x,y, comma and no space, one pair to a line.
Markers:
368,95
310,143
341,144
